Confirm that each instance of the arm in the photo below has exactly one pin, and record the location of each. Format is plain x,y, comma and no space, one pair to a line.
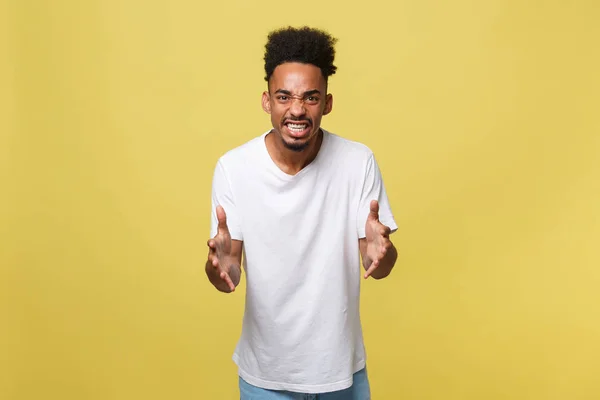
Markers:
375,224
223,266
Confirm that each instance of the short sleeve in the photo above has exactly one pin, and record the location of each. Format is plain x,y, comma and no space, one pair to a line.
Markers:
222,195
373,188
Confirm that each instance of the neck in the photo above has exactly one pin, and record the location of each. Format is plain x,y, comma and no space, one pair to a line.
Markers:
289,161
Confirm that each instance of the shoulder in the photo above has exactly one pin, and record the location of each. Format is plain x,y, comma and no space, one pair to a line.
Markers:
345,146
349,153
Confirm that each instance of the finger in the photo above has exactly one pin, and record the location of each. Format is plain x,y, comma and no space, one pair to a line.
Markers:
387,245
372,268
374,210
227,279
222,218
212,254
211,243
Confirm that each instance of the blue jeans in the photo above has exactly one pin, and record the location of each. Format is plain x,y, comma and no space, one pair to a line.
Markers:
360,390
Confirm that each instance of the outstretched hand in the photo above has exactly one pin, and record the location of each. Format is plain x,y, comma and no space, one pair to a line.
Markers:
377,236
225,264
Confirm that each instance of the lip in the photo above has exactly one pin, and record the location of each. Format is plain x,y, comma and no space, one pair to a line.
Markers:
294,134
289,121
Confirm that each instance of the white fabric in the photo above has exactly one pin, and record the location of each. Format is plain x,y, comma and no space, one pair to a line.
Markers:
301,329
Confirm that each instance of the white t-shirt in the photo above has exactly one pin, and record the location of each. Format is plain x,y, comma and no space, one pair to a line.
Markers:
301,329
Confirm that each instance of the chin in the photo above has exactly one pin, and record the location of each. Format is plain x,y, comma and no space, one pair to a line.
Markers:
297,146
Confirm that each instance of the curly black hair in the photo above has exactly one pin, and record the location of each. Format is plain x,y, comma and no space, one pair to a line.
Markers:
305,45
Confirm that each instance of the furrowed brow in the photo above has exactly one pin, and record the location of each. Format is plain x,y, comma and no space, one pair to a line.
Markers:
307,93
311,92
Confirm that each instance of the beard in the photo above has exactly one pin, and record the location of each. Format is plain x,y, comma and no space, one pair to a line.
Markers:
296,147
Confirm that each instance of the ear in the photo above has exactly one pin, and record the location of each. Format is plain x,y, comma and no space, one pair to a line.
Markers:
266,102
328,104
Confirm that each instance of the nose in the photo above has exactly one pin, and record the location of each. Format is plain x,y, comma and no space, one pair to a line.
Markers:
297,108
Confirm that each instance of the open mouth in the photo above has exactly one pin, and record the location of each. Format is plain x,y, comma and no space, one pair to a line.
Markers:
297,129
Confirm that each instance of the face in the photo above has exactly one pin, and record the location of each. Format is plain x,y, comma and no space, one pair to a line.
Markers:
296,101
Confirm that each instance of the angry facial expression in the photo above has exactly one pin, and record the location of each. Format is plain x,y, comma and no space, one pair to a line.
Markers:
296,101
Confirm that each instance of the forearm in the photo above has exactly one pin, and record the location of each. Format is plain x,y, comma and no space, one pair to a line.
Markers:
386,264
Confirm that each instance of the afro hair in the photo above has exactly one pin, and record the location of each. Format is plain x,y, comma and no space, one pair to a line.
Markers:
305,45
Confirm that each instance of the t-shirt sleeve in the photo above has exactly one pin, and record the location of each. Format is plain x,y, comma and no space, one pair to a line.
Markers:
222,195
374,189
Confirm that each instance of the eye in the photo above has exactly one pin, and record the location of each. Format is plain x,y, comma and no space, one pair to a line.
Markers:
312,99
282,98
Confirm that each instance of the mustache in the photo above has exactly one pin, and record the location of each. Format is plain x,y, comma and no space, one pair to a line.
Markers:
293,119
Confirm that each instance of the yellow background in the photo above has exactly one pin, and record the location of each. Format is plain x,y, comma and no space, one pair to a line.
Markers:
484,116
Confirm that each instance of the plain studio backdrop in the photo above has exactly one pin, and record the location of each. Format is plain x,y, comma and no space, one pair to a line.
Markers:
484,117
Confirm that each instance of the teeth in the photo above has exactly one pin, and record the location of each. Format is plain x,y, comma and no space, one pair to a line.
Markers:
296,127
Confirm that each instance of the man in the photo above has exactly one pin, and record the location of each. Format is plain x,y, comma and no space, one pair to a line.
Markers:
303,206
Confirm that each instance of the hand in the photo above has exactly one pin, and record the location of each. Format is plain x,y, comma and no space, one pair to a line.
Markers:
377,236
222,264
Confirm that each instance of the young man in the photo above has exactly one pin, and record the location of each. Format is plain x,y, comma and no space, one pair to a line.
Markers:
303,206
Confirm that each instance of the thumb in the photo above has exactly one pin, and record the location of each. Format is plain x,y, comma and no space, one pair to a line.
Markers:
374,214
222,218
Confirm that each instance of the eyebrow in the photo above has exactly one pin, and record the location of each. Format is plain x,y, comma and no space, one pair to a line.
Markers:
307,93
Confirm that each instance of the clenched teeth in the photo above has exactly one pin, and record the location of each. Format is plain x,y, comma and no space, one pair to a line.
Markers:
296,127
